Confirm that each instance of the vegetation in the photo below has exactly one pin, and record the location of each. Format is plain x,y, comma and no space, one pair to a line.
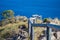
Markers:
8,17
7,30
8,14
10,25
1,30
6,35
46,20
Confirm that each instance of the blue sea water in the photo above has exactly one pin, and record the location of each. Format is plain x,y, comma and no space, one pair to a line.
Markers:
46,8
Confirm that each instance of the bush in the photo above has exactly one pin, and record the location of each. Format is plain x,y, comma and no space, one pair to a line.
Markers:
5,35
4,22
0,24
46,20
1,30
2,38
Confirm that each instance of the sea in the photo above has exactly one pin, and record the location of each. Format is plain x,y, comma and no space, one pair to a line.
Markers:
46,8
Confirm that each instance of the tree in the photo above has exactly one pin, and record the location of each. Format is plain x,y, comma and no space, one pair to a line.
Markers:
8,14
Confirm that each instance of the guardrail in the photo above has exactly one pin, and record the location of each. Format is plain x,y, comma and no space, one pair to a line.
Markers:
48,26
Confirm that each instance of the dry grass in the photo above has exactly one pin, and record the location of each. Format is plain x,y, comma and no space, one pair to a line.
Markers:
38,32
14,26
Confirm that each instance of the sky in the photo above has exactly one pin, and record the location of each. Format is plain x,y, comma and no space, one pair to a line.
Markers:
46,8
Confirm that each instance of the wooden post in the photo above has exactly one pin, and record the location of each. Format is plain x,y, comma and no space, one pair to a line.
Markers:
32,33
31,30
29,26
49,30
34,21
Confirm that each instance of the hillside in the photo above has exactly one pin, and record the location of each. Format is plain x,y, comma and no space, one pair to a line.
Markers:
14,26
10,29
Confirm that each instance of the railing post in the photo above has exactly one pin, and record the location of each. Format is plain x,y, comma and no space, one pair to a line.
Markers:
34,21
31,29
32,33
49,30
29,26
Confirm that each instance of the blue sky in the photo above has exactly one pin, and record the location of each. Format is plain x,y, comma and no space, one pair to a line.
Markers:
46,8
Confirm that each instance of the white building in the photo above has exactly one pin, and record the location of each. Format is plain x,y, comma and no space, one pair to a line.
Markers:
37,16
33,20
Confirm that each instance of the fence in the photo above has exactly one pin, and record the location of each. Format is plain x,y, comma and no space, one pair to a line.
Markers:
48,26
